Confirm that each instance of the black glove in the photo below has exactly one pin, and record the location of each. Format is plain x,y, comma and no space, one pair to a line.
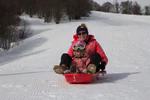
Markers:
102,66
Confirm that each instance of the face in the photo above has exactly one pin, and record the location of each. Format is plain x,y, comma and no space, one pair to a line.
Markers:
79,53
82,36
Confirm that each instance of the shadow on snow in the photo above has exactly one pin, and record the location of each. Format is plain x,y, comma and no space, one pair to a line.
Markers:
113,77
23,73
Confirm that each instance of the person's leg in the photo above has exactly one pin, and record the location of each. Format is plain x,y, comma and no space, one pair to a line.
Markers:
95,59
94,65
64,64
65,60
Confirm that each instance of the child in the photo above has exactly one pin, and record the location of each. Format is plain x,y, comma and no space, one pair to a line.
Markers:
80,59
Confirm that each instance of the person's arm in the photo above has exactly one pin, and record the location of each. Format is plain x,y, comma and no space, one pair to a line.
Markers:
70,51
101,52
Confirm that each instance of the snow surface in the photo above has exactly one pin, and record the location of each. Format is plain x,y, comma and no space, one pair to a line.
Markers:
26,71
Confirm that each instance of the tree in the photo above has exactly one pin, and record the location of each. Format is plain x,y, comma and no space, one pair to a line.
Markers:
116,7
9,21
58,10
106,7
136,9
96,6
147,10
45,10
126,7
24,29
78,8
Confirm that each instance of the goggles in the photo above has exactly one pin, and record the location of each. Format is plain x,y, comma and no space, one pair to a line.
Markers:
78,47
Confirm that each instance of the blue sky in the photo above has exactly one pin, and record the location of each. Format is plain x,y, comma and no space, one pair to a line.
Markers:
141,2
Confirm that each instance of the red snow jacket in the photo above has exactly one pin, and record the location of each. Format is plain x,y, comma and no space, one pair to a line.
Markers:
80,63
91,47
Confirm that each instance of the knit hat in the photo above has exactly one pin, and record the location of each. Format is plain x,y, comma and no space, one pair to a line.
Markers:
82,29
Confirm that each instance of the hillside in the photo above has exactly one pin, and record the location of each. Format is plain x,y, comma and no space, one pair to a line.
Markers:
26,71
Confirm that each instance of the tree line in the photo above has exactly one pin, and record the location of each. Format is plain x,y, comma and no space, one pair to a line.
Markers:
125,7
55,9
13,28
9,20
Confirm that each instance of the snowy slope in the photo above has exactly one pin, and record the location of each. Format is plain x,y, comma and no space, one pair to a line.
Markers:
26,71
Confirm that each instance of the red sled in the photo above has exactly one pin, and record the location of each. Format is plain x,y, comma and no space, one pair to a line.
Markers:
82,78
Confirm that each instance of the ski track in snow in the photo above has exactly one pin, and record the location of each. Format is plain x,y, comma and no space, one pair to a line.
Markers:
26,71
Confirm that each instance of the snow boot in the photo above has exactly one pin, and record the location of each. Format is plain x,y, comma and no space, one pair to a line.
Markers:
60,69
91,68
84,71
73,69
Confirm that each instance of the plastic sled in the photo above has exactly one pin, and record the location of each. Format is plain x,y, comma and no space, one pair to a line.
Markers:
82,78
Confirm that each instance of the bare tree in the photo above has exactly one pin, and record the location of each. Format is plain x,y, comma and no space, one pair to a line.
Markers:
147,10
126,7
136,9
24,29
96,6
9,21
46,10
116,7
107,6
58,10
78,8
70,9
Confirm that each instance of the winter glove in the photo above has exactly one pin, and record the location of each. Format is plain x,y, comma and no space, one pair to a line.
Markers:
91,68
102,66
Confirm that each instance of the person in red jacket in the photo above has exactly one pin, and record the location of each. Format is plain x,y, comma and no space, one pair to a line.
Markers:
98,59
81,59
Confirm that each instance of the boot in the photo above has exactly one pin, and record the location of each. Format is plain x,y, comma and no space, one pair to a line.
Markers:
91,68
60,69
73,69
84,71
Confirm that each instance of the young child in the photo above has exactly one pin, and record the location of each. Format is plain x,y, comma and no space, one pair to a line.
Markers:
80,59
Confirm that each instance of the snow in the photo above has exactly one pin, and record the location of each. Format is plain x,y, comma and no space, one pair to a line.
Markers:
26,71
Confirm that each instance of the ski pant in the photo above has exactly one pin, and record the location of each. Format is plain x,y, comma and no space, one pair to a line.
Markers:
94,59
66,59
